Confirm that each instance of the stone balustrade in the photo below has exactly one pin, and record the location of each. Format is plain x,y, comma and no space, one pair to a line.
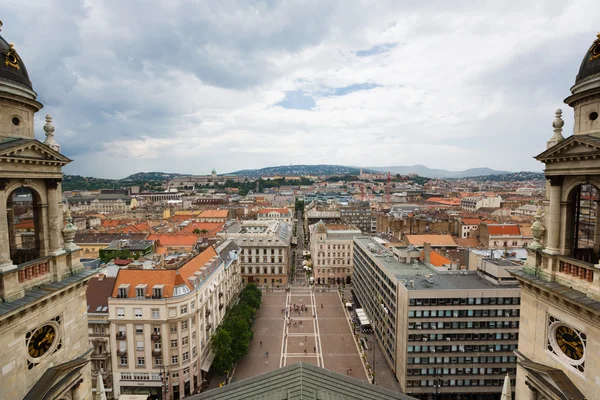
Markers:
579,269
33,269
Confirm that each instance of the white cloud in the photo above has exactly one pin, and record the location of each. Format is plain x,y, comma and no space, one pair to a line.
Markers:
183,87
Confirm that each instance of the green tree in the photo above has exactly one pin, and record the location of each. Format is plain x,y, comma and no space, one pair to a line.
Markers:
221,345
241,334
196,231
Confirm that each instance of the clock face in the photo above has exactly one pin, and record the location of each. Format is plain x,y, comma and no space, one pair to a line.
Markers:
41,340
569,342
595,51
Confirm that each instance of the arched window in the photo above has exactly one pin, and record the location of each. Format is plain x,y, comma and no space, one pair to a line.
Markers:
582,235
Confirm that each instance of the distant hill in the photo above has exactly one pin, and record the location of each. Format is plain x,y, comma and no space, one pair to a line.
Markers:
510,177
151,176
321,169
422,170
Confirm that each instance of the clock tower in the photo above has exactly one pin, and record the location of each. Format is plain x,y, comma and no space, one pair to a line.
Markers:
43,324
559,335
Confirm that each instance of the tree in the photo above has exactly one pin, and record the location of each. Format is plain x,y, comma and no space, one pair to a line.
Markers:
196,231
221,346
241,334
251,298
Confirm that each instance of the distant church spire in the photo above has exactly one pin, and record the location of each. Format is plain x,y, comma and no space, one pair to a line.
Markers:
557,124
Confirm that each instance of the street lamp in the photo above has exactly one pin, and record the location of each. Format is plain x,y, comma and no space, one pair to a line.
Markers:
437,383
164,377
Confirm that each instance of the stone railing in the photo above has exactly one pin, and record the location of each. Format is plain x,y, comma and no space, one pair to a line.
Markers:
576,268
33,269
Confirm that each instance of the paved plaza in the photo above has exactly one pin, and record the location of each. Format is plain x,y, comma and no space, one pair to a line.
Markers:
321,335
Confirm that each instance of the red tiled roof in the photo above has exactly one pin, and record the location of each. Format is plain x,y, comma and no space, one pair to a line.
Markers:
504,230
436,259
99,290
177,239
214,214
434,240
27,224
471,221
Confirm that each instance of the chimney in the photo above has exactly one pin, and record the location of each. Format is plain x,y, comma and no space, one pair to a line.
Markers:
100,277
426,253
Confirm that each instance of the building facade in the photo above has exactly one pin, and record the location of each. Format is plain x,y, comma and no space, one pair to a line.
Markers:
331,248
559,342
161,323
265,256
358,213
449,333
105,203
277,214
473,203
43,334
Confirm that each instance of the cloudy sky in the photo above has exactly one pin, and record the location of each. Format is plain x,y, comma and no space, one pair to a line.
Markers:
187,86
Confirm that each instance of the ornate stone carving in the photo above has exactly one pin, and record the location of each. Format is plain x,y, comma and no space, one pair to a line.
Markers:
27,182
49,129
557,124
538,230
69,232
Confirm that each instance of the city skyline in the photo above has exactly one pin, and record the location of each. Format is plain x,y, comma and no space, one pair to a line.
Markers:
187,88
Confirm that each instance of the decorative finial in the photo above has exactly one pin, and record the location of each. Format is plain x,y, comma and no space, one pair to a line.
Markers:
1,25
49,129
557,124
538,229
69,232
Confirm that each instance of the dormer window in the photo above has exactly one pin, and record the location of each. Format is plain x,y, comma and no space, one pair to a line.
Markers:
157,291
140,291
123,290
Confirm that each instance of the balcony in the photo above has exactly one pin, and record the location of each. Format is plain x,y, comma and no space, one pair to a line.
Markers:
155,336
121,335
208,327
99,355
207,313
220,294
156,352
121,352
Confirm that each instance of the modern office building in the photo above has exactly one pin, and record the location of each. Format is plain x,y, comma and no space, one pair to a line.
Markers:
161,322
265,245
358,213
331,249
449,332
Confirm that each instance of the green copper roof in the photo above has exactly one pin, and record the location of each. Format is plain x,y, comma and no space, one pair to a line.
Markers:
301,381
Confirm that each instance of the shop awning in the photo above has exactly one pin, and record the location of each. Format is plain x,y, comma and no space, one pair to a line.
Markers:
134,397
207,363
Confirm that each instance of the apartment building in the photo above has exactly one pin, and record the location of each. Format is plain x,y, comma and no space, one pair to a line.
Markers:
161,322
98,291
265,250
358,213
442,332
473,203
467,226
277,214
499,236
215,216
107,202
331,248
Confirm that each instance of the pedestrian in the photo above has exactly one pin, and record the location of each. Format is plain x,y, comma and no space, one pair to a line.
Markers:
267,354
304,351
267,362
315,349
304,337
321,305
261,343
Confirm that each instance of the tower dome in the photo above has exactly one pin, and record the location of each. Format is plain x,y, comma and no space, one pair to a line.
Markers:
590,65
12,67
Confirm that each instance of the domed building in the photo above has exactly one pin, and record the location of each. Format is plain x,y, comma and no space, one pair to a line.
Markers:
559,334
43,329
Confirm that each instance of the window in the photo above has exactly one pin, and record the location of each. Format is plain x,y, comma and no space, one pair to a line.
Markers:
157,291
140,292
184,340
186,371
174,359
122,293
175,375
157,361
139,329
194,351
184,309
139,345
193,305
123,360
184,325
120,313
157,345
137,312
155,313
173,328
141,361
173,343
185,356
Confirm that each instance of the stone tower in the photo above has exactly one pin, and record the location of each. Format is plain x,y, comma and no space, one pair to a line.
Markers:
43,329
559,334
